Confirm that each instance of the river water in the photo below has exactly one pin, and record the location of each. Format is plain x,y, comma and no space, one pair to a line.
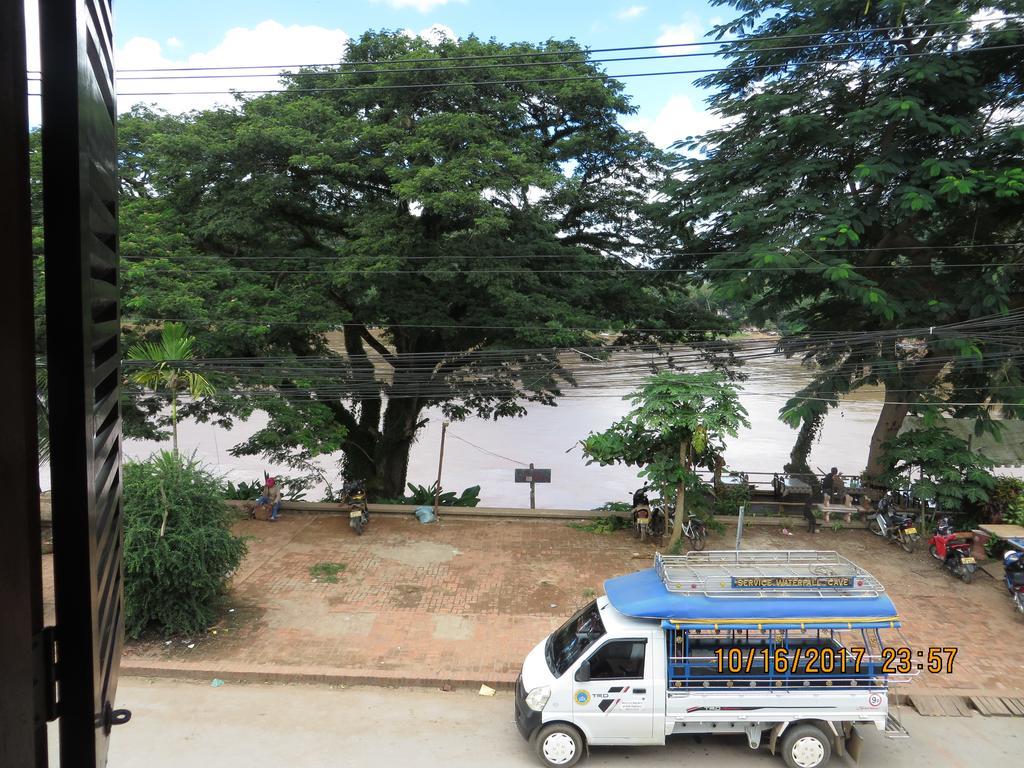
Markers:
547,436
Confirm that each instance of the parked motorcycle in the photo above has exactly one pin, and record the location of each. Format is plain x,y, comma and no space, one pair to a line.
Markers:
647,520
1013,576
353,495
953,548
897,527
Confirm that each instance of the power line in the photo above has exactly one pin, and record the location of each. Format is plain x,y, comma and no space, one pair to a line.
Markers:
339,69
484,450
587,51
565,79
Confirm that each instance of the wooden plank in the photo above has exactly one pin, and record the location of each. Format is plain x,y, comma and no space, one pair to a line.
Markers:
1016,706
955,706
990,706
927,706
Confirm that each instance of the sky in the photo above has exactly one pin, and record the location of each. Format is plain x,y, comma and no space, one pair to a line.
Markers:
282,32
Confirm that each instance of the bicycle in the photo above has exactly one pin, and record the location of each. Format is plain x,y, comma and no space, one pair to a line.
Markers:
693,529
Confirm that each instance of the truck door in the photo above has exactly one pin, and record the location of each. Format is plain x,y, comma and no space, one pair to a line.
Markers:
616,703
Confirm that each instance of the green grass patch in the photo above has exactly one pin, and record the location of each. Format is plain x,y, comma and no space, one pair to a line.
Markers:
602,525
327,572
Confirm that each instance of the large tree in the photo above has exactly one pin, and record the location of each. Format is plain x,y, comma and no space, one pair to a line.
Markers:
867,152
451,221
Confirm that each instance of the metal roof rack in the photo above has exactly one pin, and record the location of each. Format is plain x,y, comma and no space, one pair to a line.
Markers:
765,573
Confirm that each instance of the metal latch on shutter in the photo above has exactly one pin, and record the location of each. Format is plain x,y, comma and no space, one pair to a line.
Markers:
45,675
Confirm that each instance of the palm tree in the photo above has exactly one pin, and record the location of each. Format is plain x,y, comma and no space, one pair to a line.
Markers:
175,346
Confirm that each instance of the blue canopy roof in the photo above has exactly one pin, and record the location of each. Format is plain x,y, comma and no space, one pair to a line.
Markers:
643,595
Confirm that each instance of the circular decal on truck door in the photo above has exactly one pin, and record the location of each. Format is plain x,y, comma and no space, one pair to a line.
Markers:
582,697
874,700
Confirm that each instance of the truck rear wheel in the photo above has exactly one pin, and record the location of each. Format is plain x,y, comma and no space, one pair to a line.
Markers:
558,745
805,746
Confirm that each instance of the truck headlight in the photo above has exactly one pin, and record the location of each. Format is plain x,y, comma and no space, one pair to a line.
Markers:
537,699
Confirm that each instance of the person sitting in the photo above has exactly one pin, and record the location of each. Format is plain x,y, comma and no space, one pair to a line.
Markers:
272,496
834,490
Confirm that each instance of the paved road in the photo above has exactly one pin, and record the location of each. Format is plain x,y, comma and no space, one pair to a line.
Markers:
285,726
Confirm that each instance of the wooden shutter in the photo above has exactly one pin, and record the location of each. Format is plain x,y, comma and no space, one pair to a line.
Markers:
83,358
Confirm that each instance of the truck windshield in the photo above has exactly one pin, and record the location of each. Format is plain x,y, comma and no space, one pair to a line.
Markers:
569,641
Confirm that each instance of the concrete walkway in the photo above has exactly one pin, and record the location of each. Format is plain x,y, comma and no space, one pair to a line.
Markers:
178,724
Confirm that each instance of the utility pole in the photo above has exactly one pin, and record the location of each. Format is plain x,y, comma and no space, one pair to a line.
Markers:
440,463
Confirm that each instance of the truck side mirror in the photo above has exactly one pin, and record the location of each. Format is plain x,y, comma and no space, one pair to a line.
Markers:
583,673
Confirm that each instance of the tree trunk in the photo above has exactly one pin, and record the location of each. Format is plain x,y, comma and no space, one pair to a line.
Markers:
802,449
887,427
391,452
894,411
677,524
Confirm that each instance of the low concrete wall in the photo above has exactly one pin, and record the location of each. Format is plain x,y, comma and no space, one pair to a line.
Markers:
314,507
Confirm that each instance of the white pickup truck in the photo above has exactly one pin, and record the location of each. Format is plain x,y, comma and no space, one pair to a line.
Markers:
782,646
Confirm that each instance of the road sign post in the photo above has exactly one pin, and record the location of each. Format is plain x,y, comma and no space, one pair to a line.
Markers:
533,476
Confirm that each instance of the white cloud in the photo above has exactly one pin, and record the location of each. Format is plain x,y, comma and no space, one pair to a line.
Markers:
673,35
678,119
433,34
173,42
423,6
633,12
268,43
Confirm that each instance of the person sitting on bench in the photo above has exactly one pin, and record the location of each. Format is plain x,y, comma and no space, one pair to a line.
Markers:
834,490
271,495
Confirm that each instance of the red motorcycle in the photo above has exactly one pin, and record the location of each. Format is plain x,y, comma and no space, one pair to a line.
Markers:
953,548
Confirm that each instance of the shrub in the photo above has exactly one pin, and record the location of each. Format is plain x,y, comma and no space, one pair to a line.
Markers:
423,495
1006,501
178,547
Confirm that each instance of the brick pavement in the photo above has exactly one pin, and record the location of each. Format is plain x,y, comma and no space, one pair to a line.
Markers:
465,600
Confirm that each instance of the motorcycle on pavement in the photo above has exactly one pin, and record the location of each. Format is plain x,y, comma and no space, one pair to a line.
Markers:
647,520
353,495
1013,577
897,527
953,549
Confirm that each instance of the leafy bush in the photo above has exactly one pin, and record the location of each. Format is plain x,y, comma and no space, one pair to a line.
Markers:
946,468
178,548
614,506
730,498
243,491
608,524
293,488
1006,501
423,495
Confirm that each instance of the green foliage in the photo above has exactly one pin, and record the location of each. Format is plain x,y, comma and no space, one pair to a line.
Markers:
166,374
424,495
670,410
602,525
730,498
614,506
837,197
942,467
326,572
1006,501
178,547
243,491
424,221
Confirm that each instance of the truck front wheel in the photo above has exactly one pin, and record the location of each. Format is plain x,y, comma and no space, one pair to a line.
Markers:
805,746
559,745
